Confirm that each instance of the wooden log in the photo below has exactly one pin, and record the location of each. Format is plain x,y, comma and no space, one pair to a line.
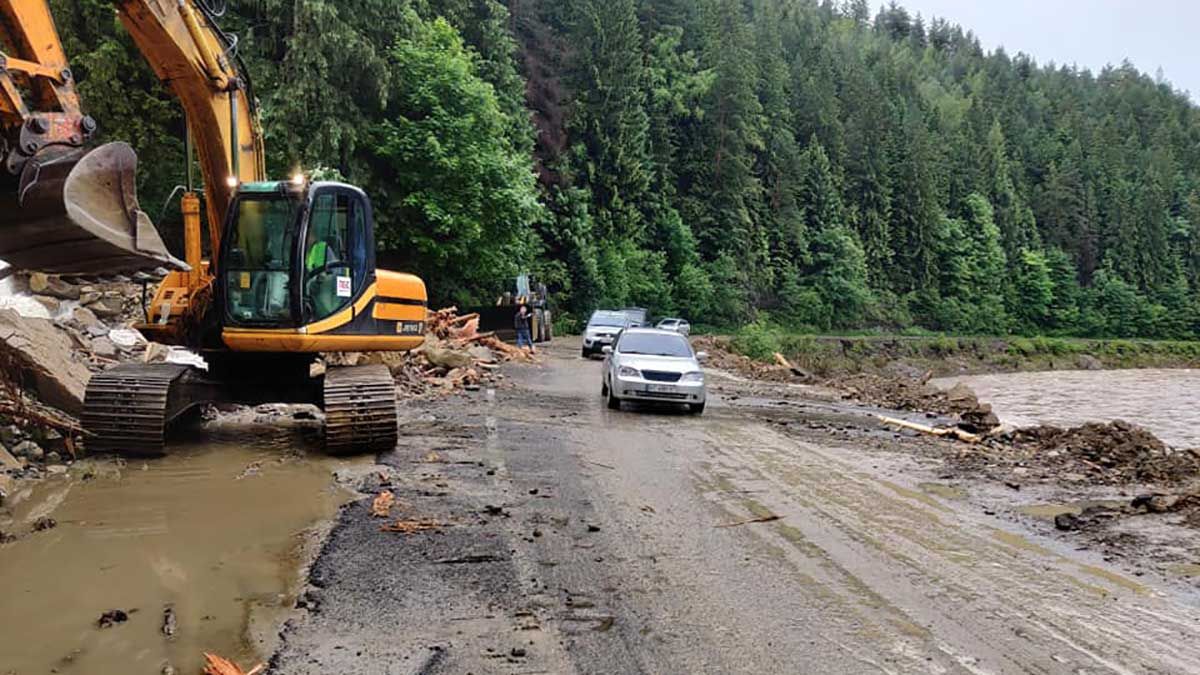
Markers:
957,433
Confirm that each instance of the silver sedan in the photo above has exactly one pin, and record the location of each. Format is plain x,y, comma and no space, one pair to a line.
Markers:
652,365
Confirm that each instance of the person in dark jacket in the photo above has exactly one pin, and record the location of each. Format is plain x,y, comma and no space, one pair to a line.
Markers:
522,322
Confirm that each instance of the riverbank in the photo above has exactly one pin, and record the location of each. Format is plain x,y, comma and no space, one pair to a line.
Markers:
1095,482
944,356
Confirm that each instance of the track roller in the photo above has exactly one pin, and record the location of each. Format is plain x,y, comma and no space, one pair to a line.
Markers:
360,410
128,409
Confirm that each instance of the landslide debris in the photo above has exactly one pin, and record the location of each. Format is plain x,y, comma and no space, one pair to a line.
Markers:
1117,453
40,358
455,356
897,393
54,333
722,357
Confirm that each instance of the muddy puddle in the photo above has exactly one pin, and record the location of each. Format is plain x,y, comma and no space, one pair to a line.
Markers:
217,531
950,492
1161,400
1052,511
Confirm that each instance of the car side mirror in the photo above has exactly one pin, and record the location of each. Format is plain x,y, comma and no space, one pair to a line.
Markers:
606,349
701,356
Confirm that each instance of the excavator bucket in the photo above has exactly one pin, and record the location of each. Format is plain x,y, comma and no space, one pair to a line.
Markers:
76,212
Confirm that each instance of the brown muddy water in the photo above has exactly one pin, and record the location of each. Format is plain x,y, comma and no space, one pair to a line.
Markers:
1163,401
218,531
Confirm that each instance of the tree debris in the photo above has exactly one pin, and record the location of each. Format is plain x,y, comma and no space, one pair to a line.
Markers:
761,519
382,506
215,665
953,432
412,526
455,356
782,362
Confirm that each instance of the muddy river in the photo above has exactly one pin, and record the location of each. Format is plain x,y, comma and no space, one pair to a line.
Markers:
1160,400
215,532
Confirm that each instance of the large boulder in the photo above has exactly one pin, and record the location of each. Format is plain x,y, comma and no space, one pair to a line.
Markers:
42,356
104,347
43,284
85,318
482,354
7,461
10,435
447,358
29,450
108,307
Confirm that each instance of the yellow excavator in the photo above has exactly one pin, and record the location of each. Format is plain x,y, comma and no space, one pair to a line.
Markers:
291,263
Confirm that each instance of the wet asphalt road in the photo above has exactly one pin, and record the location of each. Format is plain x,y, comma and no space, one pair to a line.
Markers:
574,539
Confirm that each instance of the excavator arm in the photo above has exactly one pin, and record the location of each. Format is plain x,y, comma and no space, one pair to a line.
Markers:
64,209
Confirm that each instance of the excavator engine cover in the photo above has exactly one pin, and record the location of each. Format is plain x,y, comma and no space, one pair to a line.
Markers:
77,212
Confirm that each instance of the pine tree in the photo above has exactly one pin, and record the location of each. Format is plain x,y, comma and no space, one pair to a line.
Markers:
779,165
723,190
610,120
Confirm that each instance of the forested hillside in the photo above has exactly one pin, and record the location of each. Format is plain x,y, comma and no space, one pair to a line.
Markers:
830,165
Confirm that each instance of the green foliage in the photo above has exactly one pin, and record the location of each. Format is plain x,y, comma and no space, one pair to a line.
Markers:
759,340
840,275
460,198
716,158
1034,291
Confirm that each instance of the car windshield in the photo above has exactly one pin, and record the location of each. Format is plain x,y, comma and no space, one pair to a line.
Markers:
613,319
654,344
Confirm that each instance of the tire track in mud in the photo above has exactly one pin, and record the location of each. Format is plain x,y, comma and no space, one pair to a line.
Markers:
605,553
903,558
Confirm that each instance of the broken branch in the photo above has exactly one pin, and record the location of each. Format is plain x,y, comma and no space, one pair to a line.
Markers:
761,519
957,433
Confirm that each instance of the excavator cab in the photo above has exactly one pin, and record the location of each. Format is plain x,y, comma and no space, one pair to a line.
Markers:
295,255
296,274
258,264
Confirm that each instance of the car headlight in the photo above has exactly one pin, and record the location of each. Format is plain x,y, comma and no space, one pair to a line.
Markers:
692,377
626,371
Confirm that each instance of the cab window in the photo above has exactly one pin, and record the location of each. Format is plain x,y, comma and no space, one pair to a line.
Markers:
259,261
334,254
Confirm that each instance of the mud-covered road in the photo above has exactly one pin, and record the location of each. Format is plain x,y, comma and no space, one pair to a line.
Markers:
570,538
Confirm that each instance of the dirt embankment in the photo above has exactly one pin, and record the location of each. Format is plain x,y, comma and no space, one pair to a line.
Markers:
908,356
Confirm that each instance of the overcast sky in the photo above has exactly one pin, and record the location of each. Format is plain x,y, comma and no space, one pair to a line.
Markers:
1087,33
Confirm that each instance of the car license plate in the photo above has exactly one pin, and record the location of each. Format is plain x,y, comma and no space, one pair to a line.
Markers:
660,388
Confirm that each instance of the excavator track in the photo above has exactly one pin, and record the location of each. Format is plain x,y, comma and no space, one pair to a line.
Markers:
360,410
129,409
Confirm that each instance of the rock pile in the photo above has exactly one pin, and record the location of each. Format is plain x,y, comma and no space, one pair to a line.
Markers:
1114,453
50,343
896,393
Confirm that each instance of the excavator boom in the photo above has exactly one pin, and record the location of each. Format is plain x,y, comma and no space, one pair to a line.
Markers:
68,210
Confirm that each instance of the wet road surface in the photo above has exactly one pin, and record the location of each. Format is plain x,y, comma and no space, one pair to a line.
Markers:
570,538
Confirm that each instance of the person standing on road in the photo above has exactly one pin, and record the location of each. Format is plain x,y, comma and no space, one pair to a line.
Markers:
522,322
